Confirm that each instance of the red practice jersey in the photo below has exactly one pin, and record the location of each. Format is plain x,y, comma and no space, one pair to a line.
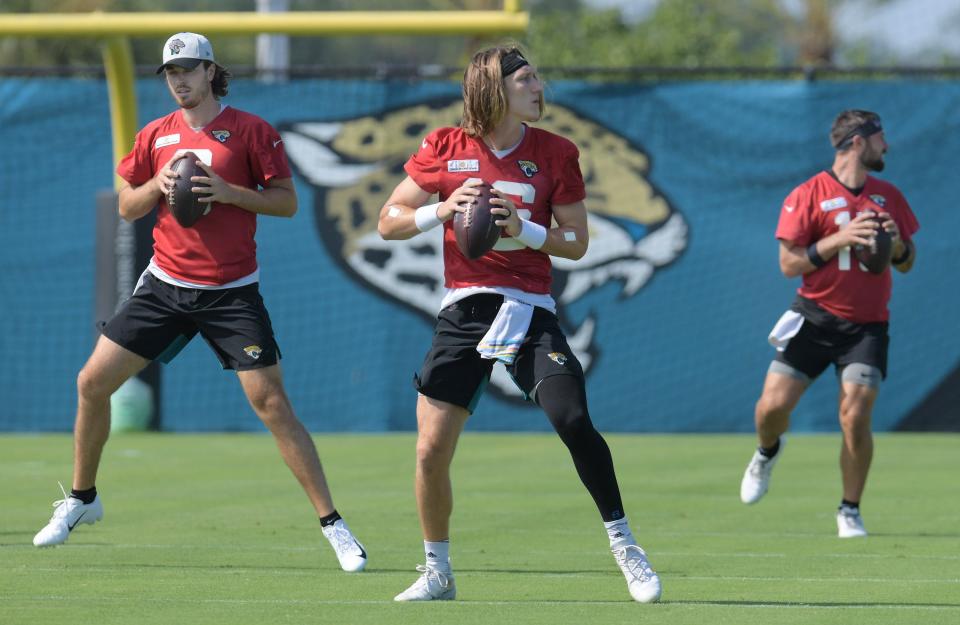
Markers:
818,208
541,172
243,150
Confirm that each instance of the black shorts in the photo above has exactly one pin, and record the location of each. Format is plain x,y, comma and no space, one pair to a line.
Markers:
159,319
814,348
453,370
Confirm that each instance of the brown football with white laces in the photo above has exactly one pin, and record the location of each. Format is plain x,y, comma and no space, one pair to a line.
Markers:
182,202
475,228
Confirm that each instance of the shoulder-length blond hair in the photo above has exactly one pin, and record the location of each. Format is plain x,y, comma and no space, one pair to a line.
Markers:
484,97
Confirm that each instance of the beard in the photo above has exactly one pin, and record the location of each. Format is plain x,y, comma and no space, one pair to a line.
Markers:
872,161
195,98
198,93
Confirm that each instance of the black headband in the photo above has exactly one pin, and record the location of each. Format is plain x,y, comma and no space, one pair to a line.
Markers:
870,127
511,62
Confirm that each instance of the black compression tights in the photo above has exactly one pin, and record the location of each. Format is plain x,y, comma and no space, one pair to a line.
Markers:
564,399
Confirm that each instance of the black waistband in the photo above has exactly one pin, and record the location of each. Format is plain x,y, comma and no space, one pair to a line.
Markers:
827,320
480,299
483,304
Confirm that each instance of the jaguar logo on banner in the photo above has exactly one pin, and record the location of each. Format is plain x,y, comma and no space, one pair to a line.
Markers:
354,164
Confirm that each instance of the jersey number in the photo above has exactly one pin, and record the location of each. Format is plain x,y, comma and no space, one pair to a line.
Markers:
527,194
843,254
205,155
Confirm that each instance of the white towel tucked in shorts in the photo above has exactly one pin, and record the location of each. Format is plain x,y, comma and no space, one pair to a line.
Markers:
785,329
502,341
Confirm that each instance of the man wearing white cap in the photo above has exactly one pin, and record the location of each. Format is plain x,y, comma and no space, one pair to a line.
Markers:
203,278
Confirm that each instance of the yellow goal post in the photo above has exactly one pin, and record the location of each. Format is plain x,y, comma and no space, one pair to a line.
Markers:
115,30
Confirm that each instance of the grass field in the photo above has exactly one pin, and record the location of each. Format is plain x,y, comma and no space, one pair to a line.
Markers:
212,529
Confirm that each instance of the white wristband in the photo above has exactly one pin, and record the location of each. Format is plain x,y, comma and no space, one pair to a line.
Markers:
426,217
532,235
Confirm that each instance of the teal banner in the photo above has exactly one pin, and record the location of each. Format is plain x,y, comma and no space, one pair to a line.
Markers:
669,311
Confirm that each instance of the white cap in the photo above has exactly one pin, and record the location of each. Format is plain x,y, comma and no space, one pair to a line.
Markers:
186,50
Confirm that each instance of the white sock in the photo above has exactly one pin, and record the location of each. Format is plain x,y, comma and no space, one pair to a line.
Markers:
619,533
438,554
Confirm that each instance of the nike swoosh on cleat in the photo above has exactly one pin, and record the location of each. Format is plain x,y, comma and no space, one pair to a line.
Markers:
363,552
70,527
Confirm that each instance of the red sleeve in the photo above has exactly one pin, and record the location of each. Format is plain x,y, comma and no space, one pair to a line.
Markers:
795,224
136,167
569,186
906,220
268,158
424,166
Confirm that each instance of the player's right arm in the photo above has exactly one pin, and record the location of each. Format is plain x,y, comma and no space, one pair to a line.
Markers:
137,200
398,216
795,258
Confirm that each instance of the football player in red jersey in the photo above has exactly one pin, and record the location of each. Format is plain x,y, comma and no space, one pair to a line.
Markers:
203,279
840,314
498,307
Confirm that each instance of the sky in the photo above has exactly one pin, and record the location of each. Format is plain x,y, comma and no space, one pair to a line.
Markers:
906,27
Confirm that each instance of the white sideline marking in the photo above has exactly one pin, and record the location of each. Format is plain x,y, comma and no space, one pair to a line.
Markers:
452,604
872,580
572,575
582,552
814,606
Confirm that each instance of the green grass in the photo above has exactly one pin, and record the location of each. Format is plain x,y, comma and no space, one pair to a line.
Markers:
212,529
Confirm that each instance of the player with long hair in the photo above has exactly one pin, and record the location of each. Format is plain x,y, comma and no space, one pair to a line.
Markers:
499,307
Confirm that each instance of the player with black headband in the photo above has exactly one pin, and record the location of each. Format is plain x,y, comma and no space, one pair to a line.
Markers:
840,313
498,307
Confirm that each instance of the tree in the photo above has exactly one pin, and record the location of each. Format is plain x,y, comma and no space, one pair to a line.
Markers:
817,42
689,33
563,33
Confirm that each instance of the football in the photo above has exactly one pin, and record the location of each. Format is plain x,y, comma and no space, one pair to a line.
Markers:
876,257
474,227
183,202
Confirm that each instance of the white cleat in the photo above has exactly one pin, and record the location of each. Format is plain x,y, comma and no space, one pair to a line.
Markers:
67,514
850,523
350,553
432,585
756,479
642,581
